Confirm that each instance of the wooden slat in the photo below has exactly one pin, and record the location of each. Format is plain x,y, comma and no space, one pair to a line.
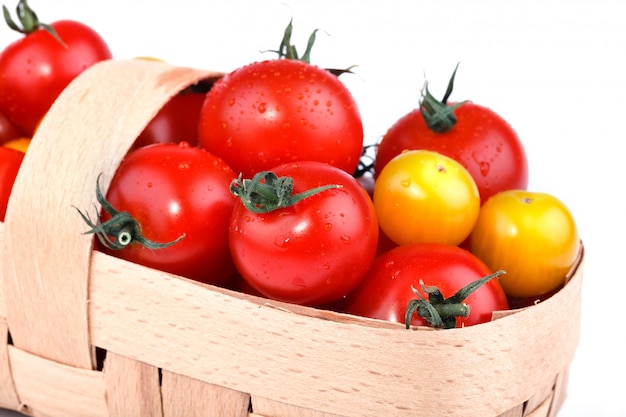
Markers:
184,396
51,389
8,395
332,366
269,407
87,131
132,387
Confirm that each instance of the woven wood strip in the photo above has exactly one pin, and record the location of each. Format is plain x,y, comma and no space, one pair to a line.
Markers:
86,132
331,366
132,387
269,407
51,389
184,396
8,395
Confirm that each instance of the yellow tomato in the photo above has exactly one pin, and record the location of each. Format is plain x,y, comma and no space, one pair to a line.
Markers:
530,235
20,144
424,196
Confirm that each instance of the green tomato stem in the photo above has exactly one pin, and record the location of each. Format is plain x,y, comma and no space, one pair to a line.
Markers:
266,192
440,312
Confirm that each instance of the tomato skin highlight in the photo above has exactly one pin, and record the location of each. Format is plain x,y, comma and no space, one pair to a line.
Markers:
277,111
532,236
36,68
313,252
481,140
425,196
10,162
174,190
385,291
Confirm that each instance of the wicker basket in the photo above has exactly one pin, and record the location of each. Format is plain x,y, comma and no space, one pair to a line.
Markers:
175,347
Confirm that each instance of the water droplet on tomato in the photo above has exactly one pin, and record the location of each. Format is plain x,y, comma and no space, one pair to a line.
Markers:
149,185
282,241
328,227
183,165
345,238
262,108
484,168
231,102
406,183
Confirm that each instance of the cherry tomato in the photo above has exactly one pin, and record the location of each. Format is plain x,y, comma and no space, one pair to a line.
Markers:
532,236
177,121
179,197
8,130
36,68
386,291
278,111
424,196
474,135
10,161
313,251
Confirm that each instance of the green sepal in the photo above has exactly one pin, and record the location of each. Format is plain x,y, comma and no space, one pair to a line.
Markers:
121,225
267,192
438,311
438,115
29,21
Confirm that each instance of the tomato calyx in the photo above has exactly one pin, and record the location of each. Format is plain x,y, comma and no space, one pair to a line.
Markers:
122,225
287,50
438,115
29,21
441,312
267,192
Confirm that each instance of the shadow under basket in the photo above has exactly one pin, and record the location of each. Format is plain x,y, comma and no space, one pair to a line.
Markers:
174,347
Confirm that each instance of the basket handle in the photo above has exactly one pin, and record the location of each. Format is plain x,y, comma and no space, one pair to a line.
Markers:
88,130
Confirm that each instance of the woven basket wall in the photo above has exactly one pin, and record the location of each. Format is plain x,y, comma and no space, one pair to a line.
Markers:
174,347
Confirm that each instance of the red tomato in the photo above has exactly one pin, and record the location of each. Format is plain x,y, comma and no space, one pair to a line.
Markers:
176,122
37,67
178,194
278,111
10,161
314,251
8,131
385,291
477,137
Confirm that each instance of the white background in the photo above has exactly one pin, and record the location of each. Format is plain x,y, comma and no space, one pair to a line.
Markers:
554,70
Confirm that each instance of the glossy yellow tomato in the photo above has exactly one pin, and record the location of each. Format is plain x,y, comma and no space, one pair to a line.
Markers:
20,144
531,235
424,196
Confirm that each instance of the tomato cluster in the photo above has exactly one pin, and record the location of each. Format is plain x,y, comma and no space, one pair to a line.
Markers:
256,182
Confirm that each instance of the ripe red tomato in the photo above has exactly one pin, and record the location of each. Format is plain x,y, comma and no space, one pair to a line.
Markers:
385,291
8,131
10,161
36,68
179,195
477,137
314,251
177,121
278,111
